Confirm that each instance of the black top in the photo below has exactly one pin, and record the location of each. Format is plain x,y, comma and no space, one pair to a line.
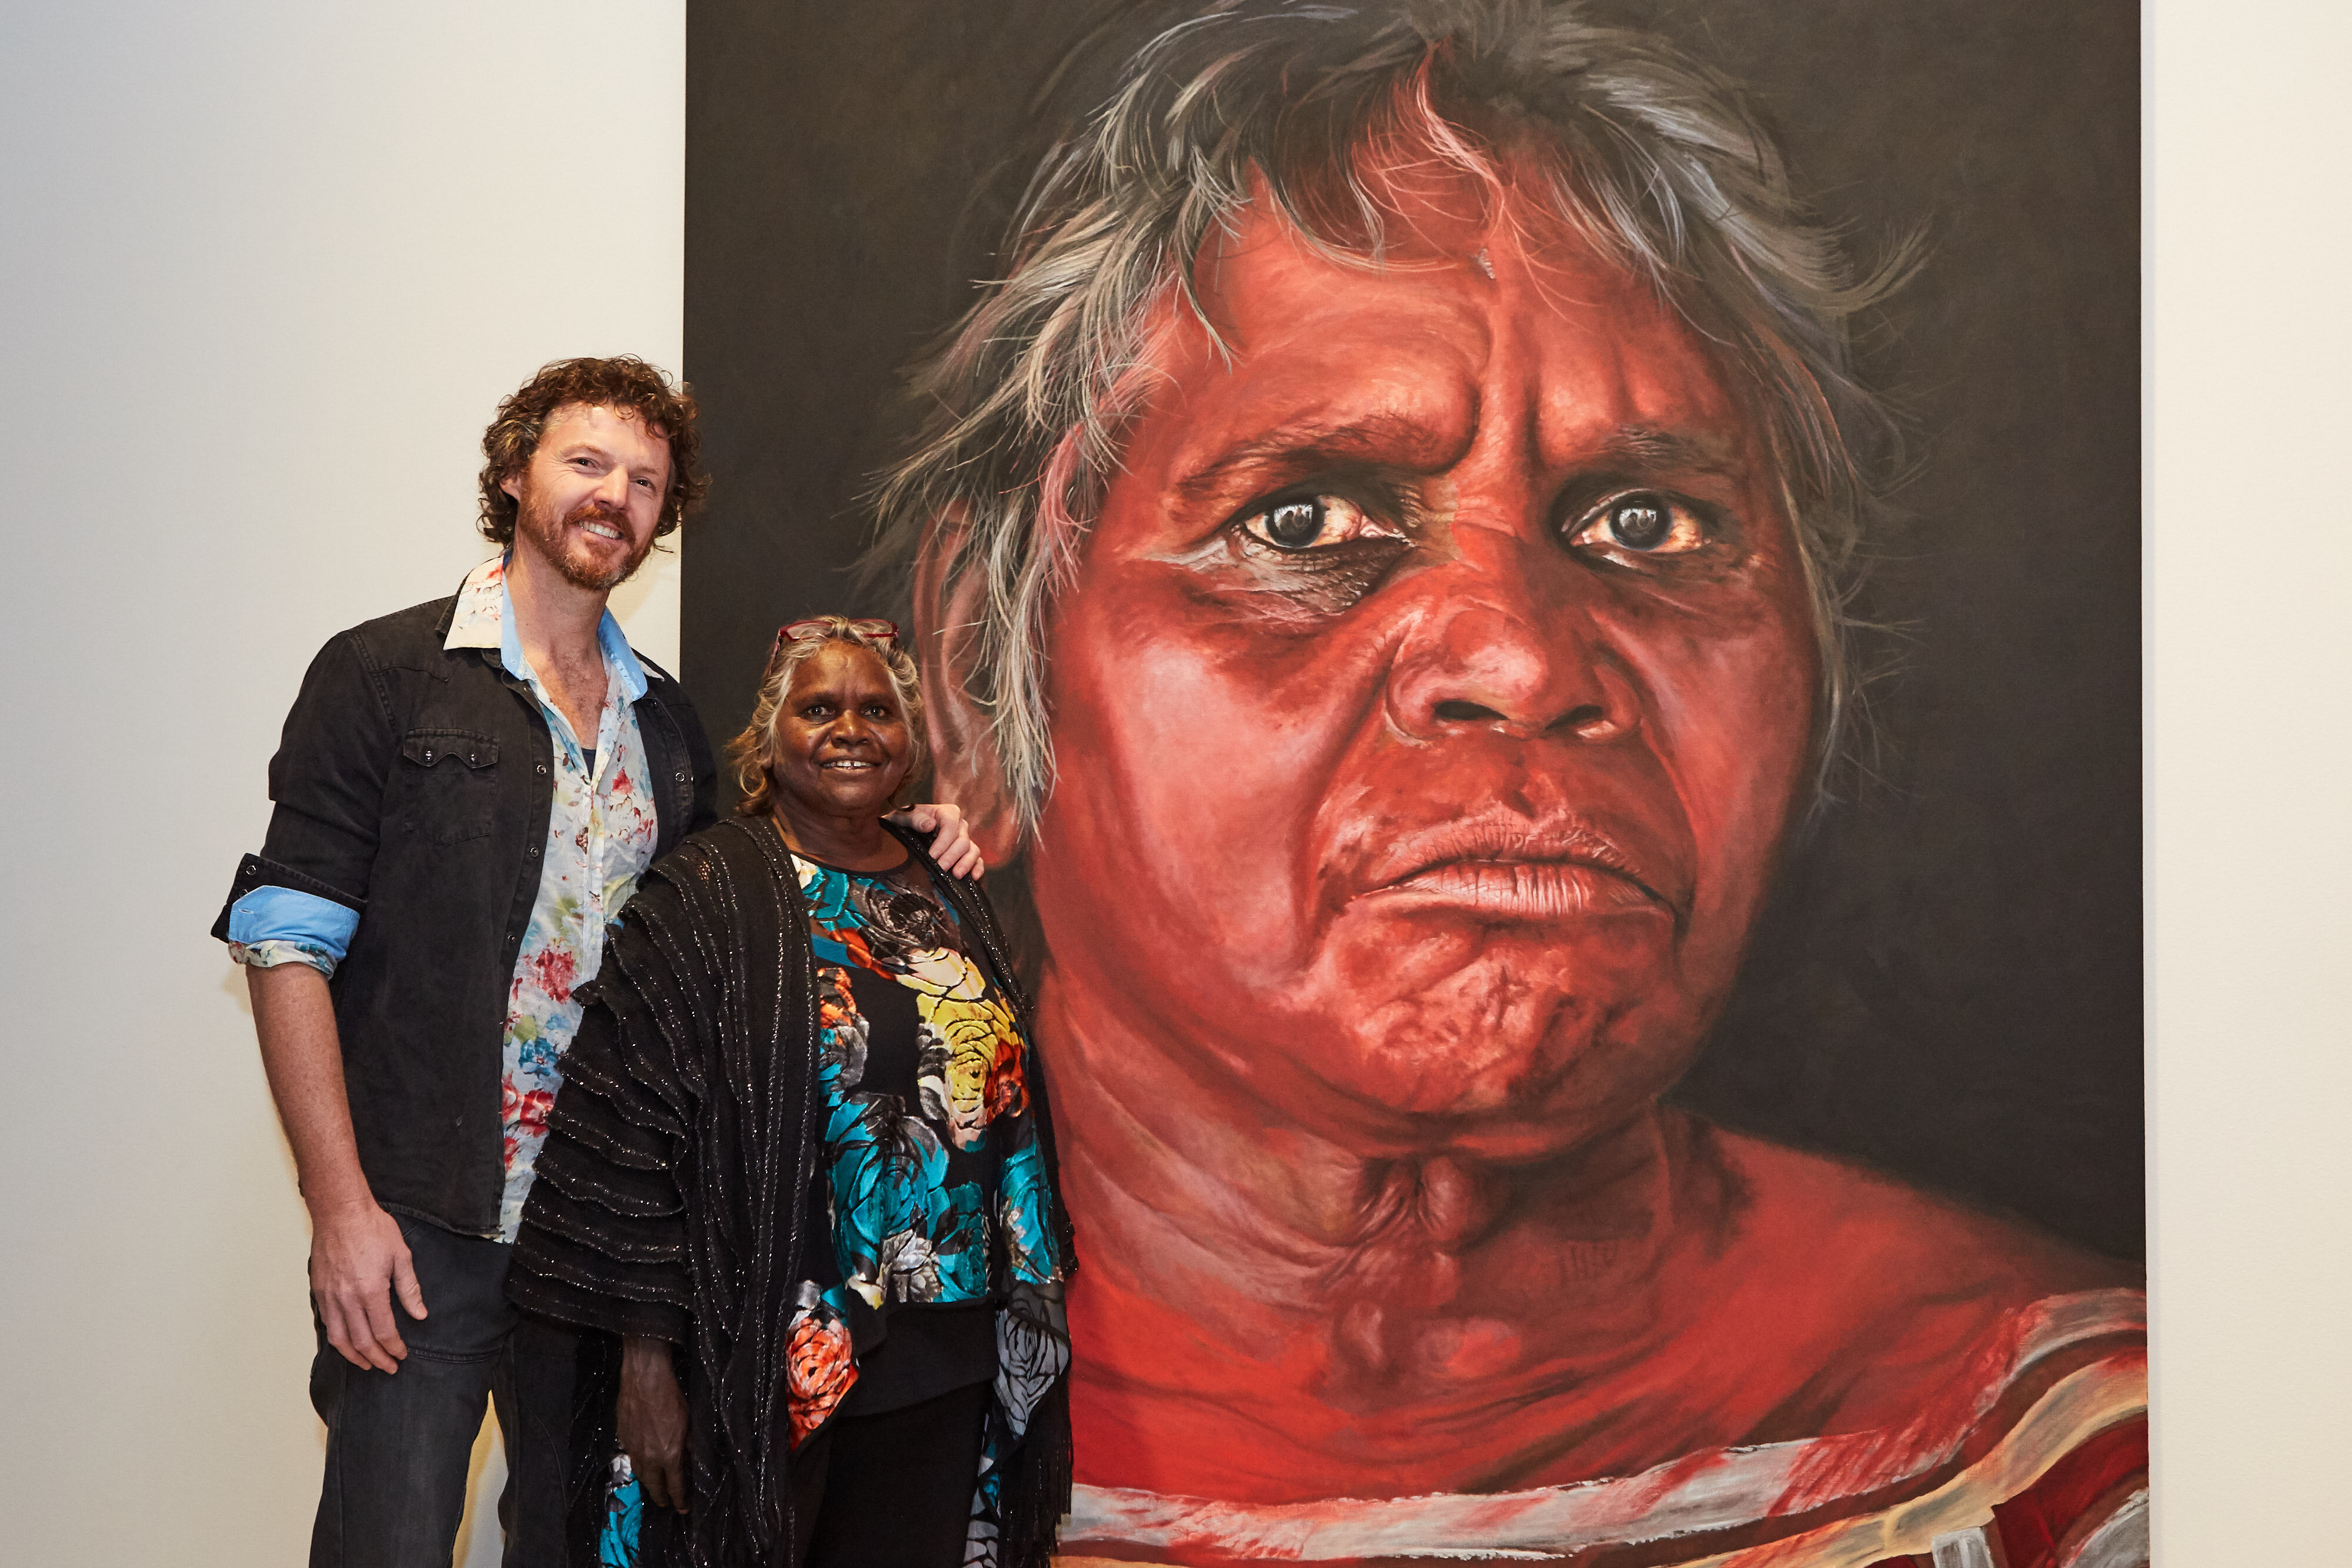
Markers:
924,1078
678,1196
413,785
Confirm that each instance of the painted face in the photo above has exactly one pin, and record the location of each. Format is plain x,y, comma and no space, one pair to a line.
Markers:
591,494
1430,693
843,744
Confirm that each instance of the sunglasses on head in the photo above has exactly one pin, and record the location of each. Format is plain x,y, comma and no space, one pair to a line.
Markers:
873,627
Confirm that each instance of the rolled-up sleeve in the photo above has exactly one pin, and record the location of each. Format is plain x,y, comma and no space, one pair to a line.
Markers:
300,900
276,924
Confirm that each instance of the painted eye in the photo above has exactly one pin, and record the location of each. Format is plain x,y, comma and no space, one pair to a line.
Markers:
1644,522
1314,522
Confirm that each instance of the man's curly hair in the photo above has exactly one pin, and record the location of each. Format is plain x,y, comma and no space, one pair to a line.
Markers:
624,383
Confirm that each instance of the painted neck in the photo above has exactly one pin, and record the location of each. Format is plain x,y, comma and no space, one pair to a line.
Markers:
1192,1192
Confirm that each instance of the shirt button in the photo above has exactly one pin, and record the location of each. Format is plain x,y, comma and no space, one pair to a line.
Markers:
542,767
534,854
428,754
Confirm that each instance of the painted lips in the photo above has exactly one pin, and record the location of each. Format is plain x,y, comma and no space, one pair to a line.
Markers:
1512,868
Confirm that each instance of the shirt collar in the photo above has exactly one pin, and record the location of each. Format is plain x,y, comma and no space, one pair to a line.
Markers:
484,618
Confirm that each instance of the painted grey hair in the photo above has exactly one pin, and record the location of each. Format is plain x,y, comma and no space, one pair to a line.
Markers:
1649,156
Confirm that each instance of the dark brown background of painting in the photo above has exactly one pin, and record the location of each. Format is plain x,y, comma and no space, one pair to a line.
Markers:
1949,984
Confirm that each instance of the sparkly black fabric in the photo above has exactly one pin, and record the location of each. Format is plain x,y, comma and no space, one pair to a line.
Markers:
677,1196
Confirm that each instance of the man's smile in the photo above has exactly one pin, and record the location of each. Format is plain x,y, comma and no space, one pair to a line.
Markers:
600,524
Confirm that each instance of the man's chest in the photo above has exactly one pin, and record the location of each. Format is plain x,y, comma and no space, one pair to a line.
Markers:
601,823
580,692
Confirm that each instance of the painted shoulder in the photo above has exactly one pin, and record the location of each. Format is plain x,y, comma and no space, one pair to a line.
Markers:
1938,1245
1893,1290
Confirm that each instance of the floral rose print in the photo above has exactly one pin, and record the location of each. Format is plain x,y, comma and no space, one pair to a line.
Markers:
916,1181
600,831
840,1028
550,972
523,1114
818,1367
1032,1349
980,1073
936,1180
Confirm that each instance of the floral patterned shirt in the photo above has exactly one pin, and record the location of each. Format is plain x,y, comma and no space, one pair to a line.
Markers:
932,1165
601,833
928,1149
934,1176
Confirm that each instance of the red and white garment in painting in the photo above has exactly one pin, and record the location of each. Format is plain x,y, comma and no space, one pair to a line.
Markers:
2038,1459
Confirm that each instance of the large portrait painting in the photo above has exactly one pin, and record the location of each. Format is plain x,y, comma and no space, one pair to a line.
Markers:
1535,606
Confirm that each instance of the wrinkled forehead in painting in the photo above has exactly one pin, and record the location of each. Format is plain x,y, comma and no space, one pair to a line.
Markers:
1381,139
1290,344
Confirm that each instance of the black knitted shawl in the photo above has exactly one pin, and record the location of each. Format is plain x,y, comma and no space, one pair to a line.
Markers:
677,1196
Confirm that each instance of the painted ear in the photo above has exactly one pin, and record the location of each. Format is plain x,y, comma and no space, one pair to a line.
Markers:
967,770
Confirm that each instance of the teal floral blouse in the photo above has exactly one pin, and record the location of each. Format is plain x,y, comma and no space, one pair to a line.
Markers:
928,1148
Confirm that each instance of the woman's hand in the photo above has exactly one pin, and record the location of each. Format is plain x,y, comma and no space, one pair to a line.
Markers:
952,847
651,1418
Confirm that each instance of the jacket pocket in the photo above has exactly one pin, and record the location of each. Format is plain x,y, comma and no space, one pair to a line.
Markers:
454,794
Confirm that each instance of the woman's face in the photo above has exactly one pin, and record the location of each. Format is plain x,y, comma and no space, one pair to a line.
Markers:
1431,687
843,746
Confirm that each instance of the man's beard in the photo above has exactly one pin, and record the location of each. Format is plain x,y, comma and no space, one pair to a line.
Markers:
550,537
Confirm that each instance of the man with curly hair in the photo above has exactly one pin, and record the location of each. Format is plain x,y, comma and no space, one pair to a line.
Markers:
465,793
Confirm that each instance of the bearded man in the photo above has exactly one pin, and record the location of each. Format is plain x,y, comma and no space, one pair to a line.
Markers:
1378,551
465,793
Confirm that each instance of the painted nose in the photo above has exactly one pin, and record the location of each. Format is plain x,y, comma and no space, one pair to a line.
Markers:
1499,658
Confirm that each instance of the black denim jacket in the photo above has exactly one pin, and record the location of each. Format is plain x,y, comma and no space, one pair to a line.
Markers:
414,784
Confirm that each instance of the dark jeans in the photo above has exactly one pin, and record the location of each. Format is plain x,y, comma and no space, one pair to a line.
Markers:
398,1444
894,1491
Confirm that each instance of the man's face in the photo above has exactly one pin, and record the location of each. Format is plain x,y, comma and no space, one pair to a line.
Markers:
591,494
1431,693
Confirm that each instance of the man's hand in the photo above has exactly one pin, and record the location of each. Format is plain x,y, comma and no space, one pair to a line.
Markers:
953,846
357,1260
650,1419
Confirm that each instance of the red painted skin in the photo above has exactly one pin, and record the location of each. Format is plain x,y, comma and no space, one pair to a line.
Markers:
1373,1191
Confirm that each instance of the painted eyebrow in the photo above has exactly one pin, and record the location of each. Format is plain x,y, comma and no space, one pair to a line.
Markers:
1647,449
1309,447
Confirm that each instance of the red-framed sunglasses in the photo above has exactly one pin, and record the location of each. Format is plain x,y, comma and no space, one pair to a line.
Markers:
879,630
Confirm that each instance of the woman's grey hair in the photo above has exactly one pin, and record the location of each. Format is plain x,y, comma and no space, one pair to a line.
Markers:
1651,157
754,752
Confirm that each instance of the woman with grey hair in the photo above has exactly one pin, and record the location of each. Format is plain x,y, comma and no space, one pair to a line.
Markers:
803,1173
1381,540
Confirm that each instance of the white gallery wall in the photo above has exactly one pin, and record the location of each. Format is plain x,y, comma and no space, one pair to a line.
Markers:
266,267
